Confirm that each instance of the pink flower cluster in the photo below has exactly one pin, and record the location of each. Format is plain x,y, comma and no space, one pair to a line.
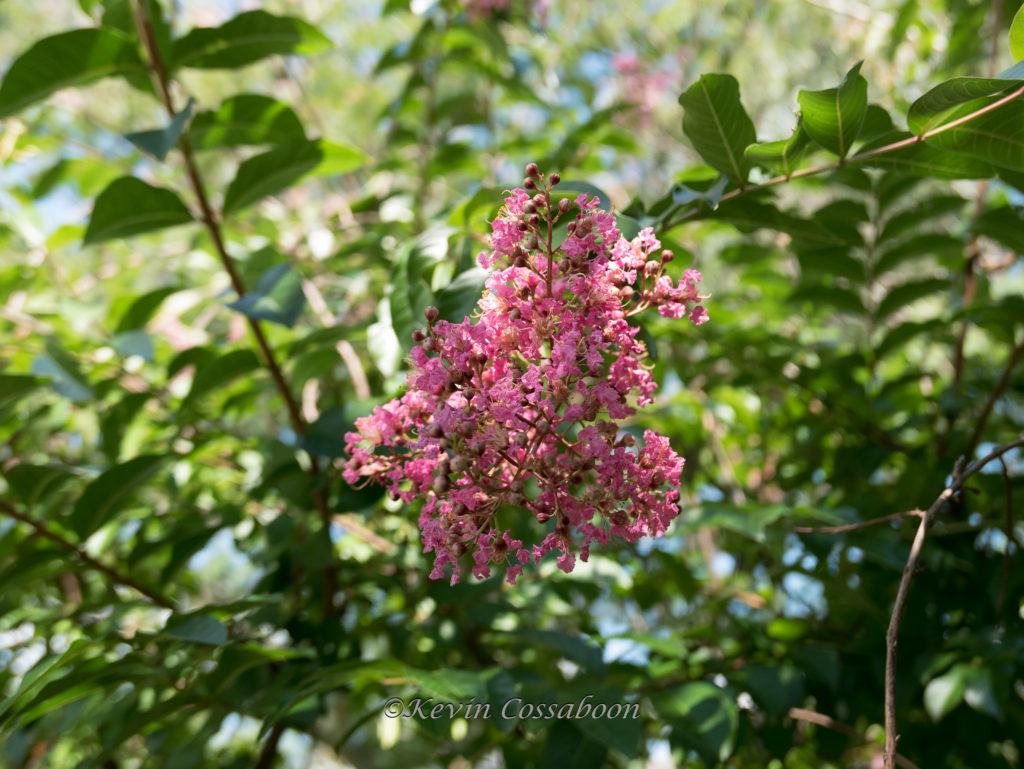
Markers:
518,408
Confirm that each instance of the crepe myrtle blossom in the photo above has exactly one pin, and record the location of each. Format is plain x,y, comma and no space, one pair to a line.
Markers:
517,409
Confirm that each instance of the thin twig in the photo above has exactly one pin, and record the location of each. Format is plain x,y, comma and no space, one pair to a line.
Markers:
997,392
853,526
814,717
1008,531
159,70
960,476
112,574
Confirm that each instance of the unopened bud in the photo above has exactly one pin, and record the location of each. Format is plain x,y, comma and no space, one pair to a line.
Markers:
516,500
529,208
460,464
564,205
652,268
435,430
583,228
441,484
530,242
564,265
534,220
571,228
529,184
554,179
431,314
521,440
626,293
514,314
667,256
532,170
418,335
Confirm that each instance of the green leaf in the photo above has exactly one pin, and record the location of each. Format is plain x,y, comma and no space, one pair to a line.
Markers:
924,212
160,141
944,693
278,297
930,245
996,136
247,38
833,117
1017,35
69,59
567,747
246,119
909,292
604,200
129,206
1002,224
717,125
273,171
923,159
903,333
585,653
783,155
33,483
135,342
14,386
220,371
197,628
410,294
956,98
842,299
110,491
703,718
65,375
459,298
142,309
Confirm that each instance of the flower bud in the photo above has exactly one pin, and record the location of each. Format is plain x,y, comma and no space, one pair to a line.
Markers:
521,440
564,205
564,265
571,228
516,499
667,256
530,242
529,208
514,314
626,293
460,464
441,484
435,430
418,335
651,268
529,184
532,170
534,220
522,226
584,228
554,179
431,314
539,201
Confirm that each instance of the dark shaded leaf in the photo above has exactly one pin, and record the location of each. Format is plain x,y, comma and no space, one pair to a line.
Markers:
129,206
277,297
273,171
247,38
246,119
69,59
160,141
110,491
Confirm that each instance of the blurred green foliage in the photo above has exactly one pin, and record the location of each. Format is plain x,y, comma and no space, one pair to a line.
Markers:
187,581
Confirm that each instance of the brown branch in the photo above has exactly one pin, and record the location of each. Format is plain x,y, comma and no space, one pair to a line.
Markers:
112,574
1004,380
158,68
960,477
814,717
269,751
853,526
